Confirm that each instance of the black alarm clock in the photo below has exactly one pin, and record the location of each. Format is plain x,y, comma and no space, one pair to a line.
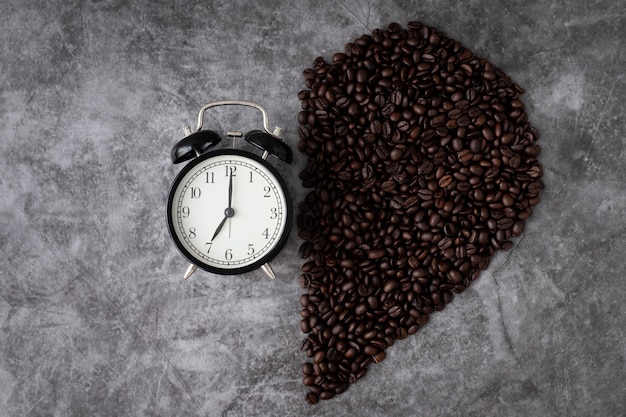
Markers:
229,210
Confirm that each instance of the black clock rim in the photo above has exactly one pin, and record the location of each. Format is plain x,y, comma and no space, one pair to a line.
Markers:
261,261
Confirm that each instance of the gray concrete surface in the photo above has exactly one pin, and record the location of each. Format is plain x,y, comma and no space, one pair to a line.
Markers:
95,319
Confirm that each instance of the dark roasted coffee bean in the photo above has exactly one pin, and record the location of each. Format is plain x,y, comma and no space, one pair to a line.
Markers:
403,126
463,121
306,344
488,134
395,311
387,129
465,155
455,276
376,253
423,164
517,228
376,127
425,194
411,201
379,357
388,186
312,398
445,243
396,202
455,114
343,102
505,223
475,145
425,168
367,171
307,368
438,120
445,181
396,154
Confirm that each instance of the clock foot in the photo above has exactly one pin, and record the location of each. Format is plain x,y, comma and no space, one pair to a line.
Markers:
268,270
190,270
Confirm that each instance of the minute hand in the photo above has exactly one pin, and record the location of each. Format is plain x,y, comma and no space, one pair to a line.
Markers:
230,192
229,212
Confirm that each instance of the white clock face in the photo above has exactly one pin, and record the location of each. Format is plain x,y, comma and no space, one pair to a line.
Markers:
229,212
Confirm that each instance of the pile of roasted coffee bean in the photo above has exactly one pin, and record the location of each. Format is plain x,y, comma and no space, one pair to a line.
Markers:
422,164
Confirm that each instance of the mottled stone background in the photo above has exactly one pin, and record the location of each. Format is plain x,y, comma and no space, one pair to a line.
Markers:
95,318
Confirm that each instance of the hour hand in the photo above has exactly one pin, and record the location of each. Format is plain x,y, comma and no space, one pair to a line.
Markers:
219,228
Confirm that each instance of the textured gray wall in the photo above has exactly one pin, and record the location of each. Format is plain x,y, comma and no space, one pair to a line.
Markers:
94,317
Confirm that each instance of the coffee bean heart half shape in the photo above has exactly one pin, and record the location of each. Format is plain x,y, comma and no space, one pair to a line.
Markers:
422,164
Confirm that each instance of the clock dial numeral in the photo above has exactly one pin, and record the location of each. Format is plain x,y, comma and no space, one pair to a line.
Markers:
228,255
250,249
210,177
192,233
209,244
266,233
251,176
195,192
231,170
267,190
273,213
185,211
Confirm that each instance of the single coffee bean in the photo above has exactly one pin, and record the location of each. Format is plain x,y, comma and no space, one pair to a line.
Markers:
387,129
507,200
307,368
319,356
445,243
475,145
465,155
445,181
403,126
517,228
367,171
463,121
488,134
455,114
504,223
396,202
395,311
343,102
388,186
455,276
370,350
379,357
425,194
376,253
312,398
376,127
514,161
425,168
396,154
438,120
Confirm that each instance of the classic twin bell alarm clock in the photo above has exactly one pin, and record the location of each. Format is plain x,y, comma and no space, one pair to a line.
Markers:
228,210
